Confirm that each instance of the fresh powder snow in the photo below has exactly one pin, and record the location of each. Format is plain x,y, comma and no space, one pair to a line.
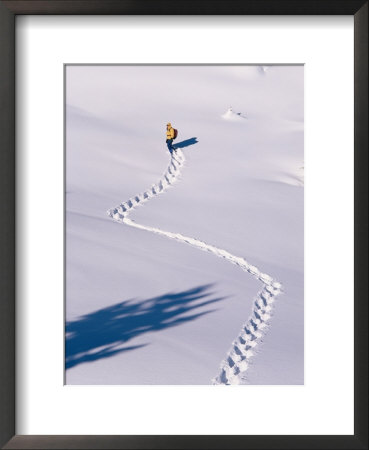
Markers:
140,307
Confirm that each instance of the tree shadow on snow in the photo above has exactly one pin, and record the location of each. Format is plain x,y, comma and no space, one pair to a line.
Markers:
102,333
186,143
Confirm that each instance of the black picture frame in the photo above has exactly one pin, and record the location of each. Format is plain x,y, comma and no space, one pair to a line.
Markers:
8,12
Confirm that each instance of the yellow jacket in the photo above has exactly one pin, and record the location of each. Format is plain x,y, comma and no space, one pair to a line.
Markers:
170,133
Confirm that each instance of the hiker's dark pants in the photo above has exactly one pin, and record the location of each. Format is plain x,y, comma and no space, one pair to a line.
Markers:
170,146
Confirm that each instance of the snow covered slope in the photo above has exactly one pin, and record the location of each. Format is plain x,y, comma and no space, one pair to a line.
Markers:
237,359
141,308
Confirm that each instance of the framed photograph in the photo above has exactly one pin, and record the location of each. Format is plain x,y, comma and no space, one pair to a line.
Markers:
184,243
181,315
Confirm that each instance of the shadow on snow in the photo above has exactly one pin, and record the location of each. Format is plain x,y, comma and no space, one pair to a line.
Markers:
102,333
185,143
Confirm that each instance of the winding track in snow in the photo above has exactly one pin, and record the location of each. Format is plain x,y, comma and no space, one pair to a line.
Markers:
236,362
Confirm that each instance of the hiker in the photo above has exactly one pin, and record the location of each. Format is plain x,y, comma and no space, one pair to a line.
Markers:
170,136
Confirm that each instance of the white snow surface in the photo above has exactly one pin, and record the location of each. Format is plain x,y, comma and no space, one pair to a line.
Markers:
237,360
141,307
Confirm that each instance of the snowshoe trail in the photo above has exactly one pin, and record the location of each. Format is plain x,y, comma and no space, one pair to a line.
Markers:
233,367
